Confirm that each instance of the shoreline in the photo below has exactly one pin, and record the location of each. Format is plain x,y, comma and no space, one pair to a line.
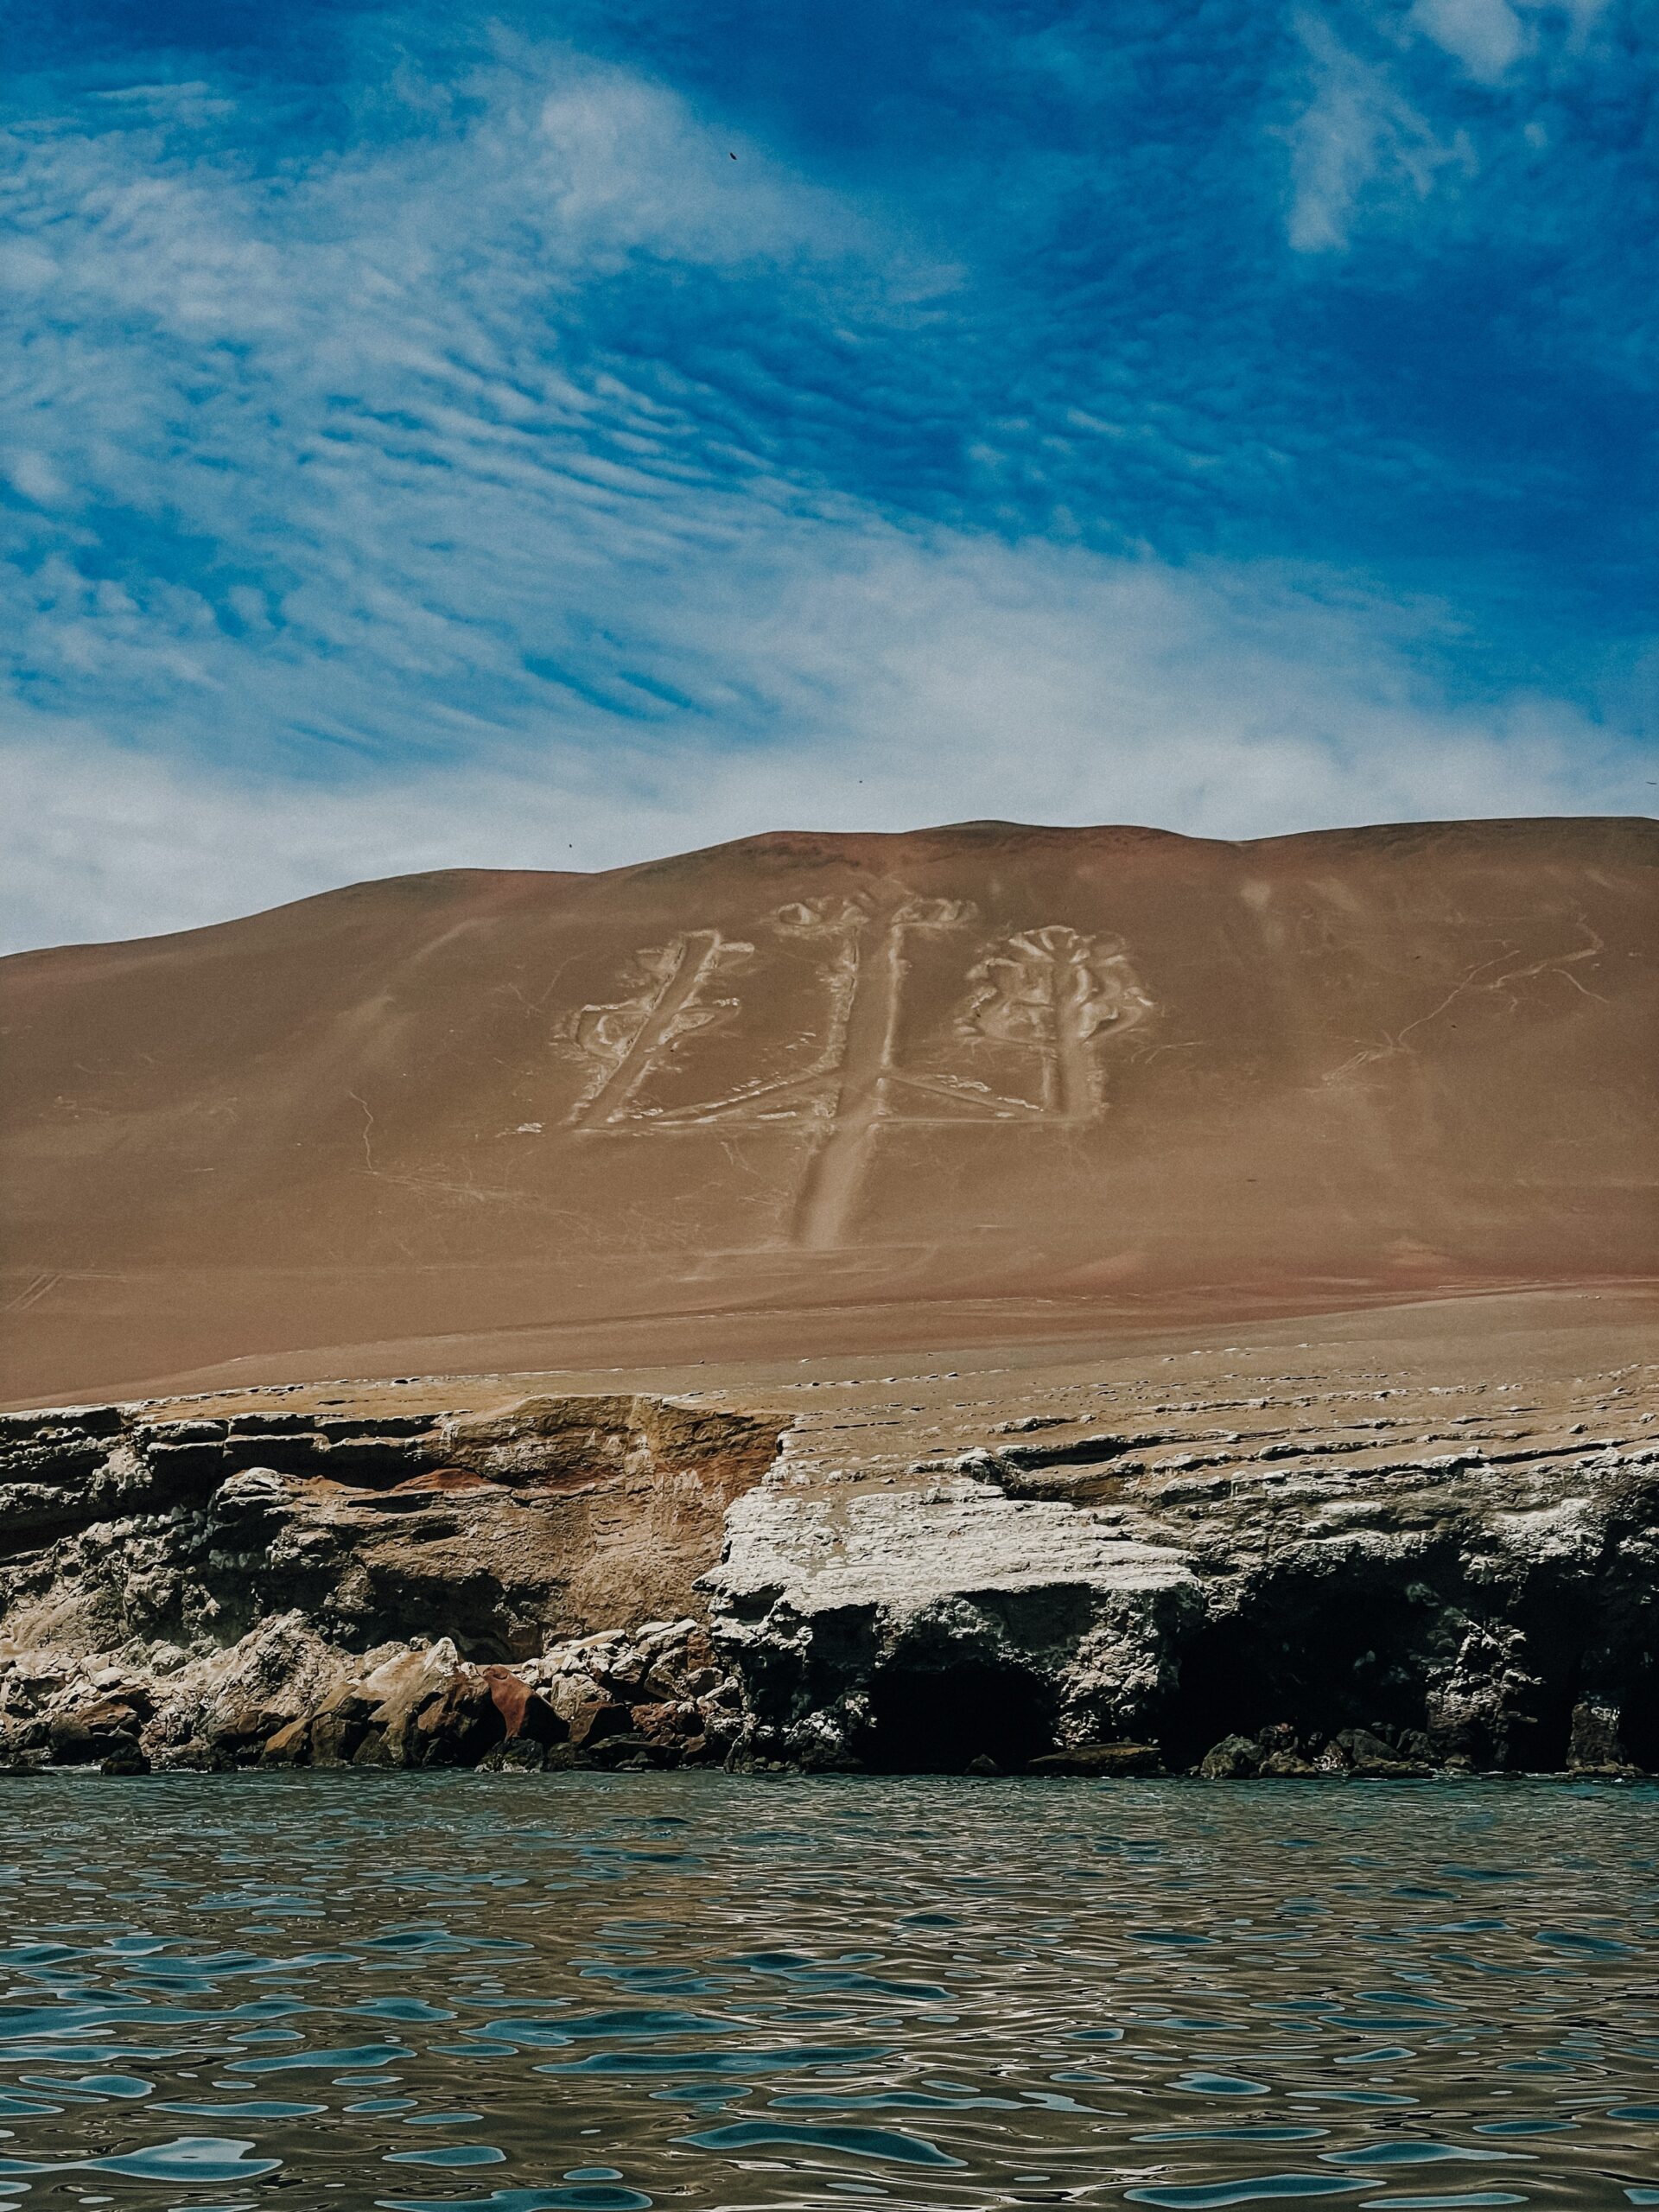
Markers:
1378,1544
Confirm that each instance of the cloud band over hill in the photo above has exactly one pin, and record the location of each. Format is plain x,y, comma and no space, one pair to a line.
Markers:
432,444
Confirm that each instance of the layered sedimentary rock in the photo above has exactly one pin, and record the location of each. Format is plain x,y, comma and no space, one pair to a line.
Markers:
313,1588
504,1531
1486,1592
1398,1546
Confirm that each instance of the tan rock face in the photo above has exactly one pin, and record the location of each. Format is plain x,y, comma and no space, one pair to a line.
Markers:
1364,1549
808,1093
540,1522
1356,1548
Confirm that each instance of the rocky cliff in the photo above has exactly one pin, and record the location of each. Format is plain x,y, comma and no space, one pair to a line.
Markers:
1427,1540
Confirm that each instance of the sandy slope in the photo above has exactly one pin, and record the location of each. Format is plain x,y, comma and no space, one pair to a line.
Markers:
811,1094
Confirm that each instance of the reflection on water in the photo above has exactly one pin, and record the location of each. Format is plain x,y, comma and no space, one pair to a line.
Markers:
602,1993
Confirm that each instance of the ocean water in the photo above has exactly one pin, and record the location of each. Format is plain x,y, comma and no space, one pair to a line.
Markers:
610,1992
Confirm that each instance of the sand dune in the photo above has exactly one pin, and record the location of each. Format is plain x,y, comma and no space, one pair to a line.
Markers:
811,1093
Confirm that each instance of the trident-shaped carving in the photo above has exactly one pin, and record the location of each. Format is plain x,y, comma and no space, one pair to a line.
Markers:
1047,993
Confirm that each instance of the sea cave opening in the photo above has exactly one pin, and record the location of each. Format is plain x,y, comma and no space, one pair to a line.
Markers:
938,1719
1332,1654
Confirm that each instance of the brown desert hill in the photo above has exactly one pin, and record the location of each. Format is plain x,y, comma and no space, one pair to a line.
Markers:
807,1092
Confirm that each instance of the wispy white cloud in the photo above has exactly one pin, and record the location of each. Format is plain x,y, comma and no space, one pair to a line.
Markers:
453,494
348,422
918,681
1364,141
1489,36
1485,35
1359,136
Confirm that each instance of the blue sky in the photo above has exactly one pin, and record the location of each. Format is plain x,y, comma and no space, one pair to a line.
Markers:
551,435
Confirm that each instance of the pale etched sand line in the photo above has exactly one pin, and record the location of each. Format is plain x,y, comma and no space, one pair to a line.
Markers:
698,954
829,1186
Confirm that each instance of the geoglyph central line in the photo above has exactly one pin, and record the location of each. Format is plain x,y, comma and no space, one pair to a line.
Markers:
835,1169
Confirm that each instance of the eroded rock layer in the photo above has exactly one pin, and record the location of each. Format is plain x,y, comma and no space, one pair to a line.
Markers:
1423,1540
1484,1590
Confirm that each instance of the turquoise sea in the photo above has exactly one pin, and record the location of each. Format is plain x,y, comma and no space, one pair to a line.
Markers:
608,1992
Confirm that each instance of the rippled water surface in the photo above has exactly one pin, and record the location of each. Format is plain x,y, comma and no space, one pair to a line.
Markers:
608,1993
